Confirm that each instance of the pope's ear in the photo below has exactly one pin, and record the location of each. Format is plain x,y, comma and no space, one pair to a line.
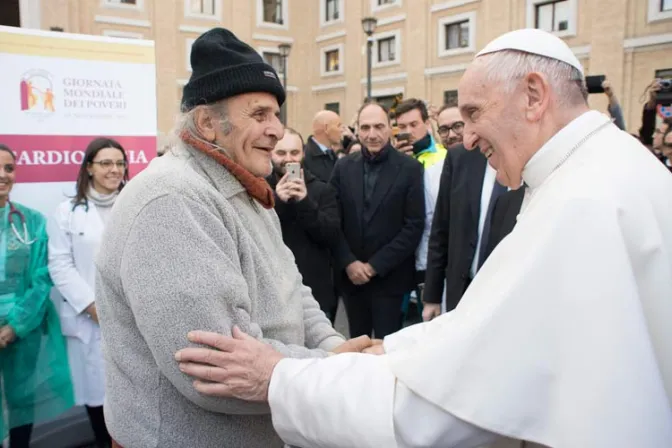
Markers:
537,92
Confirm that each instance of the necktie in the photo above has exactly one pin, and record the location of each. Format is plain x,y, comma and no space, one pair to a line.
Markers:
497,191
331,154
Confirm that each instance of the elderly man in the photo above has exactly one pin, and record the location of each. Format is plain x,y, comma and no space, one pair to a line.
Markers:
193,242
564,337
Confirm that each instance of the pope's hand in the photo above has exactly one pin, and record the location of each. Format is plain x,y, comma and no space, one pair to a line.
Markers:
238,366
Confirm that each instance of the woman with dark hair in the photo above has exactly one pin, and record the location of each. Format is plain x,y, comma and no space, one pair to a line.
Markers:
34,370
74,236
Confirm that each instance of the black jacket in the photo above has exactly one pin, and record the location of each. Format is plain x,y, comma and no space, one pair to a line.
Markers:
311,229
317,161
390,236
504,215
454,235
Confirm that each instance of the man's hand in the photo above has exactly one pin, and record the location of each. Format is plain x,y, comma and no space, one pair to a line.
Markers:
404,146
356,345
7,336
370,272
606,85
654,88
357,273
92,312
430,311
376,348
291,189
238,367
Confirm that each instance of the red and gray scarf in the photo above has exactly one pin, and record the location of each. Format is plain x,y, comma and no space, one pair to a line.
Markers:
257,187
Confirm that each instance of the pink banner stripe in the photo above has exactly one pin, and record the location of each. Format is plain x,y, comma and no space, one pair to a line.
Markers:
57,158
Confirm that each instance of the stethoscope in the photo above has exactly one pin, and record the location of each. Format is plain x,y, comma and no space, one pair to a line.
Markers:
25,239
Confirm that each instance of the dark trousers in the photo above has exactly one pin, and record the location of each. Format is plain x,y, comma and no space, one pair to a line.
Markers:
19,437
97,419
373,315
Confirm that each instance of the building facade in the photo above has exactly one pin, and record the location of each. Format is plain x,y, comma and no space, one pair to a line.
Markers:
420,48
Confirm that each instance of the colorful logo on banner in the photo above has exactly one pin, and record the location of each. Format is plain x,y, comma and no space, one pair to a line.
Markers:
37,92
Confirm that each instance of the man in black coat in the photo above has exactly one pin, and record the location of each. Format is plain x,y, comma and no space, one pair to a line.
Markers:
309,219
320,156
466,193
381,197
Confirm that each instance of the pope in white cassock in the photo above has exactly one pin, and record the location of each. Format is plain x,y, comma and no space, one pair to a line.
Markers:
565,336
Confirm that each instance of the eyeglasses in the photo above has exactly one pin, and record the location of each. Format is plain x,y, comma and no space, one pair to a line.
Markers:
108,164
456,127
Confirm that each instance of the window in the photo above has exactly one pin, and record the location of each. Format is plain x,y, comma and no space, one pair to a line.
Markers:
457,34
334,107
273,11
450,98
378,5
332,10
389,101
201,8
555,16
130,4
332,60
58,29
386,49
660,10
552,16
274,60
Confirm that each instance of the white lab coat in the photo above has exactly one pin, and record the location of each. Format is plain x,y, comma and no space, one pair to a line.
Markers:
74,238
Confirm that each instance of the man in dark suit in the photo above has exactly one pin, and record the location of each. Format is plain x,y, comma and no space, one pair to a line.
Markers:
504,217
320,156
382,206
460,228
309,219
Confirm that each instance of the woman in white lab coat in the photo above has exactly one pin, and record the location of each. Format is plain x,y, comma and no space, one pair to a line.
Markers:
75,233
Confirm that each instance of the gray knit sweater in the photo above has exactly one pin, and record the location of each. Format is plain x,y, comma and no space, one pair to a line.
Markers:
186,248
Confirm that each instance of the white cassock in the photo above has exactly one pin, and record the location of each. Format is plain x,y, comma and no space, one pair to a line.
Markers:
563,339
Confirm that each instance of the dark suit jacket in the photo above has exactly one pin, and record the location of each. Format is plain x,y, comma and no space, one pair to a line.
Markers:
312,229
389,239
317,161
454,235
503,218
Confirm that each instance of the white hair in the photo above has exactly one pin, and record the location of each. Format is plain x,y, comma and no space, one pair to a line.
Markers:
508,67
186,121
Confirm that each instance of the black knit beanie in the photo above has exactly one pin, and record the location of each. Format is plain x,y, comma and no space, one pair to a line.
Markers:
224,66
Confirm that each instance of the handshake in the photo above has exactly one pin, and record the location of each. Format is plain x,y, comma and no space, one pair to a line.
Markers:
361,344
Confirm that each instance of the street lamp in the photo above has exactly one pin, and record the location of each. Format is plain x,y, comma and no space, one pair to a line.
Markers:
369,25
284,53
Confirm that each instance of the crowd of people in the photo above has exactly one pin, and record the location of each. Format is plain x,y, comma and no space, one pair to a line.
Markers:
245,237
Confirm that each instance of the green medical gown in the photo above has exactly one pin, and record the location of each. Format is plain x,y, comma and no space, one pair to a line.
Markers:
36,384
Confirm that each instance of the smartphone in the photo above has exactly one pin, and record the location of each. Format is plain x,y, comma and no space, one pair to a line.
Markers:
403,136
293,170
